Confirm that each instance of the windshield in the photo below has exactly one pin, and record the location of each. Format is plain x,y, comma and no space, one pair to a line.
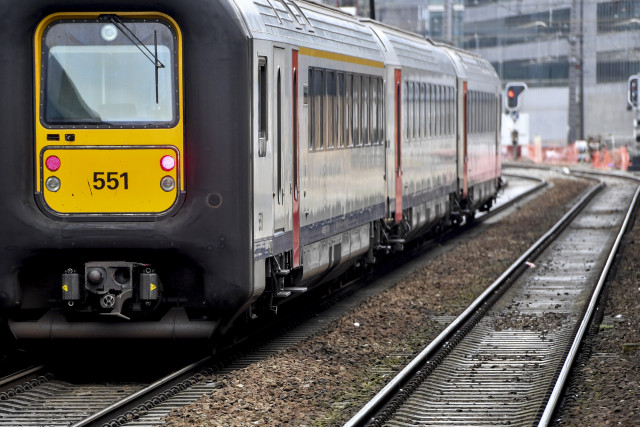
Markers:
109,71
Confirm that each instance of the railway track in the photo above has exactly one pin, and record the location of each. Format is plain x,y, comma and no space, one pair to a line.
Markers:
53,401
507,357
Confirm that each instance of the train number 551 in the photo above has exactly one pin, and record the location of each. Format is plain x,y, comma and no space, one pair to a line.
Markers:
111,181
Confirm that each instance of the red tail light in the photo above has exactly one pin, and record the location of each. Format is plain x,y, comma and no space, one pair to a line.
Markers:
167,163
53,163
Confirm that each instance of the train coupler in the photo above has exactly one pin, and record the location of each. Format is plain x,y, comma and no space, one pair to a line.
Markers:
105,287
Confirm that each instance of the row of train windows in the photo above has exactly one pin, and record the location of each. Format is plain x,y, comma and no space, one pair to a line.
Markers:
482,116
345,109
428,110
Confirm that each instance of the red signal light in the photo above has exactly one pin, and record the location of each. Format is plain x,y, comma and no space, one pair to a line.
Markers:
53,163
167,163
510,93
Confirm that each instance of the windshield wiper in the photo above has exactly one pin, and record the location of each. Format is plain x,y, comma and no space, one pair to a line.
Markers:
151,56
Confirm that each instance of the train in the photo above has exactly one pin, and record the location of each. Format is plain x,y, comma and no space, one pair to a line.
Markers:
172,169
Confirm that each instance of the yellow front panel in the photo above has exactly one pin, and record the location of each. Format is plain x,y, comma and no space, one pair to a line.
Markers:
110,180
122,147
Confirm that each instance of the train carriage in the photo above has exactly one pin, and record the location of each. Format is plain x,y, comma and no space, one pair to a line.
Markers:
172,167
422,148
479,114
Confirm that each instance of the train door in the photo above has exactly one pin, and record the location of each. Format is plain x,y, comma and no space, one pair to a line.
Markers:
281,150
295,163
463,157
398,145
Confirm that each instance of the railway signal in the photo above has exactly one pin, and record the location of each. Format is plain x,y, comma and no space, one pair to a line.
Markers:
632,94
514,92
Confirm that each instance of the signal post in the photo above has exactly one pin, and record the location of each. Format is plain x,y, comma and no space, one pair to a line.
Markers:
632,99
512,100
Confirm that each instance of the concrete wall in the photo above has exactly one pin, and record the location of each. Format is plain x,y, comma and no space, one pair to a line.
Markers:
548,109
606,113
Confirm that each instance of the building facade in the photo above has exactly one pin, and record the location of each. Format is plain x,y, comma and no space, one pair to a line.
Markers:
438,19
575,55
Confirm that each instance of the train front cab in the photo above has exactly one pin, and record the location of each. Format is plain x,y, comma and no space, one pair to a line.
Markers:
108,147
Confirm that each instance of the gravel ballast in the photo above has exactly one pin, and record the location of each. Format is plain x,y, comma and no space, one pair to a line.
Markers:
327,378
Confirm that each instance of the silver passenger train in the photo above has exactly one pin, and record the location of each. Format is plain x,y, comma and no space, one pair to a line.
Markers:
248,151
371,135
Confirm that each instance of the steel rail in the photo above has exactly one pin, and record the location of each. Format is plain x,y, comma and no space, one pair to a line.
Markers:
142,392
20,374
499,208
362,416
556,394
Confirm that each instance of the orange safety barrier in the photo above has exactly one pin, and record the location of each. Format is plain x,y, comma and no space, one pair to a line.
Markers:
617,158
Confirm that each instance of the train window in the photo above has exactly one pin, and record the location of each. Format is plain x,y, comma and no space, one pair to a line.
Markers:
410,105
405,104
348,110
373,109
416,110
489,111
357,88
485,112
263,102
443,111
316,98
318,113
330,111
381,117
451,110
481,112
473,111
428,112
279,124
478,110
109,71
365,110
421,112
262,97
441,129
310,96
436,110
454,110
492,109
340,111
